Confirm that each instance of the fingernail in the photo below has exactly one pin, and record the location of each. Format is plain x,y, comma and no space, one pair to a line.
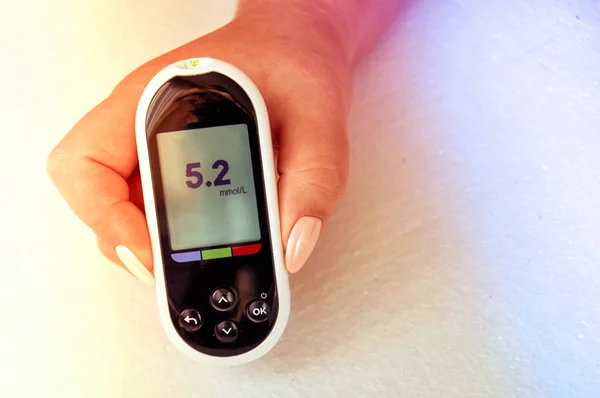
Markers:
301,242
134,265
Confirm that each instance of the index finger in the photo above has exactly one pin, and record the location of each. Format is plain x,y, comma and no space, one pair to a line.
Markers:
90,167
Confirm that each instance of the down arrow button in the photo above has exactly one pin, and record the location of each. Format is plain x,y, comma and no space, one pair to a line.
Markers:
226,332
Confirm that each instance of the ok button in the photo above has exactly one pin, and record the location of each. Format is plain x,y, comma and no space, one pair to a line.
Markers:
258,311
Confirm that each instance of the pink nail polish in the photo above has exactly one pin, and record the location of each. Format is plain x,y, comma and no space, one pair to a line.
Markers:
302,241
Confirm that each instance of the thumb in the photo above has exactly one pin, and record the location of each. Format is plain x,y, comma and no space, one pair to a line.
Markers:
313,168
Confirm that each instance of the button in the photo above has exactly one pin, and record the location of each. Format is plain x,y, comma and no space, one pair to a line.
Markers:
222,300
226,332
258,311
190,320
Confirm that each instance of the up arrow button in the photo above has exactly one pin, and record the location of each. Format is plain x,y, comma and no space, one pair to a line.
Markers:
223,299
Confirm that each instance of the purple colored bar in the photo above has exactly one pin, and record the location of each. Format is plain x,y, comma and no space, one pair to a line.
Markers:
186,257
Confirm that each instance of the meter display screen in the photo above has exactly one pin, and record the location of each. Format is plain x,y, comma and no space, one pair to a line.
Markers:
208,186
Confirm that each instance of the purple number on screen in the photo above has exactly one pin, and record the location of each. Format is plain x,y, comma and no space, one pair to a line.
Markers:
195,178
222,174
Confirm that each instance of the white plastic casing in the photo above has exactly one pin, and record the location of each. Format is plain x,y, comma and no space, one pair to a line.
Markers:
199,66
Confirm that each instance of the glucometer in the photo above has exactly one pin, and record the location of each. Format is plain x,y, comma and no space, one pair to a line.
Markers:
210,196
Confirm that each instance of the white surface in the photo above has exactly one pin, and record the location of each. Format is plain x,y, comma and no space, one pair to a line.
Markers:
270,191
464,260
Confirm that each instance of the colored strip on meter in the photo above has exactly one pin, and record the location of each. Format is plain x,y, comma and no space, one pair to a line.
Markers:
211,254
186,257
246,250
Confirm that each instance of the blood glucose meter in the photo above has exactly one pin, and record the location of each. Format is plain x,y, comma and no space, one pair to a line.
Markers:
210,195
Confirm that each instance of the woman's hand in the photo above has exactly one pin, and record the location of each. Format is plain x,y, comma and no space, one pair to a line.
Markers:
301,68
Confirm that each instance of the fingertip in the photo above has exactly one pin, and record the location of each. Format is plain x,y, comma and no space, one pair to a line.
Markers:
134,265
301,243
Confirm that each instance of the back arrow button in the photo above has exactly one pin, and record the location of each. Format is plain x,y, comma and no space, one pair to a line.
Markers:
190,320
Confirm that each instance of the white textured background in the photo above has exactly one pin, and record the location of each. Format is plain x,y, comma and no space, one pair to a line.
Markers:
463,262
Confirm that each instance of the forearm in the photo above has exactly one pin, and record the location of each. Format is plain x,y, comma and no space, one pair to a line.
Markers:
355,25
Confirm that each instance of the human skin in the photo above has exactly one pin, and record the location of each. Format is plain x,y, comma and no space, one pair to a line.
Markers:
301,55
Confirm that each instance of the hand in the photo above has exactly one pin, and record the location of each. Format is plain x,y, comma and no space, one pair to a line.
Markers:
299,67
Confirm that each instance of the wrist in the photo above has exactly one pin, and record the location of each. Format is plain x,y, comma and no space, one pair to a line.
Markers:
321,25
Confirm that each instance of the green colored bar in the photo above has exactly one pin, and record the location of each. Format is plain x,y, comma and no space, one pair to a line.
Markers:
216,253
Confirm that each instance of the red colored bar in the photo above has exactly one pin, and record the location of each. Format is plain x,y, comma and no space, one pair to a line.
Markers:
245,250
